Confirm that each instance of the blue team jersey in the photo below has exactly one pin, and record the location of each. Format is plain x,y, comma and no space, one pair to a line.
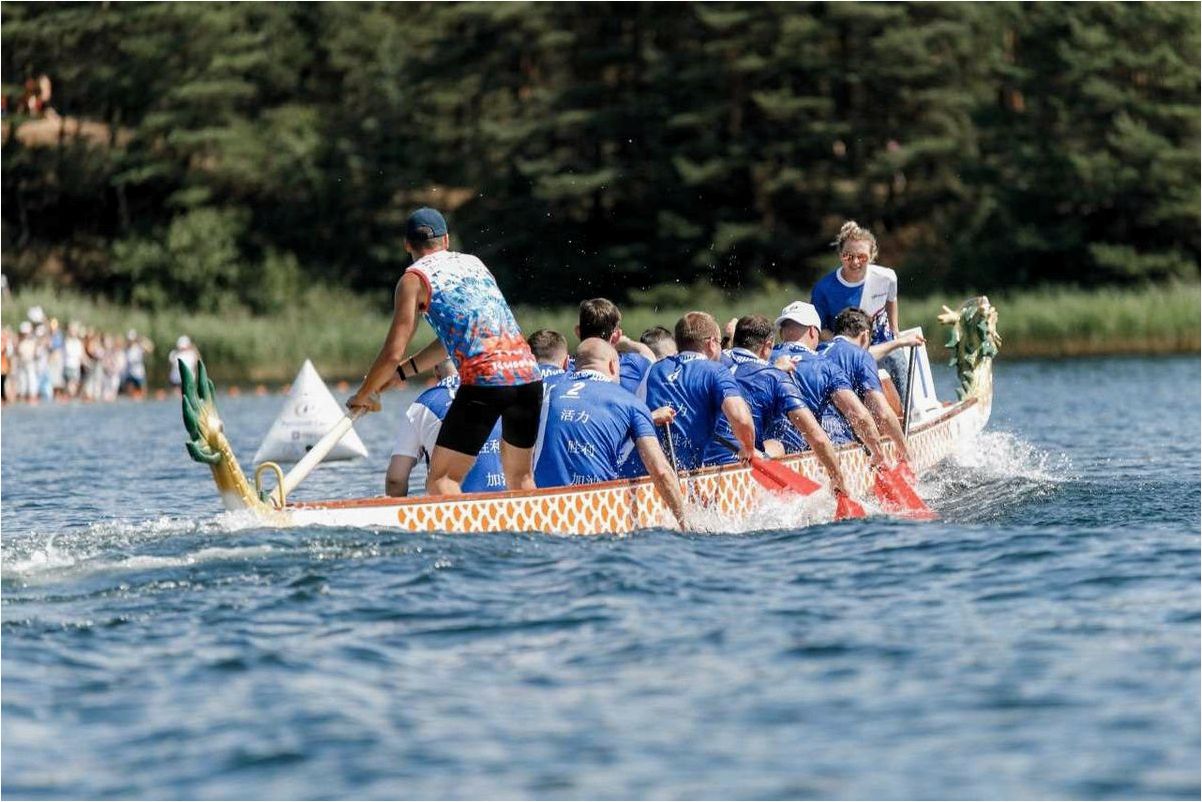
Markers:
856,362
832,295
769,393
551,374
486,474
695,387
632,367
588,423
818,379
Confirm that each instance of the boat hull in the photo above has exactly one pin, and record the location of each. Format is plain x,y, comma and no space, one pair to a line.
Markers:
628,505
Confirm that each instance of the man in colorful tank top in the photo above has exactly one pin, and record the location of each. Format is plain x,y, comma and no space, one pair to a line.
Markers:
498,375
849,350
823,384
699,389
419,433
589,421
772,396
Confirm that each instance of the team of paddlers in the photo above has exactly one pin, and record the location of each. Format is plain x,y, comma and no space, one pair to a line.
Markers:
516,412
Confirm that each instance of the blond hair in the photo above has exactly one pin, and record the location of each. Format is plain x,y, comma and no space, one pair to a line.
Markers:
851,230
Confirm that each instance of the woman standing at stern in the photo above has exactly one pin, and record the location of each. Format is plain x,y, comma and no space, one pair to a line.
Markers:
860,283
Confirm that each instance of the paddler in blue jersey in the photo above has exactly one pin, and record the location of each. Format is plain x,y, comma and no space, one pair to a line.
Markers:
601,318
551,350
660,341
849,350
419,432
589,420
772,395
696,385
823,384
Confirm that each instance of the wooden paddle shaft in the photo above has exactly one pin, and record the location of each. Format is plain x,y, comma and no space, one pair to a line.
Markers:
319,451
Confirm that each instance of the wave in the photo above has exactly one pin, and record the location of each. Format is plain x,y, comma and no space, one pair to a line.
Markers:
104,546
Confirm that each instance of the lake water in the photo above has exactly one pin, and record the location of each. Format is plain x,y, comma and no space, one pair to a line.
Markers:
1040,641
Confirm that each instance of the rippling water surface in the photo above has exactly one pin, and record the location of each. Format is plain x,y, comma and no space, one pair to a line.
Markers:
1041,640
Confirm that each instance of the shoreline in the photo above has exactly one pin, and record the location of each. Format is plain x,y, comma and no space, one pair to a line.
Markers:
341,332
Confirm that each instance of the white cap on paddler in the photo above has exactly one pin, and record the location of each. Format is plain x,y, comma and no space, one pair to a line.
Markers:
800,312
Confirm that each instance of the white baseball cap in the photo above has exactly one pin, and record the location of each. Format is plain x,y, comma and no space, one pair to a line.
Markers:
800,312
183,341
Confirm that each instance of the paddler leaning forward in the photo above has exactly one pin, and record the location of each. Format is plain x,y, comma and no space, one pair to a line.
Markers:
476,328
590,422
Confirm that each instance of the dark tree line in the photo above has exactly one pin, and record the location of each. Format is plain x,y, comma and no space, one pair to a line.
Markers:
232,153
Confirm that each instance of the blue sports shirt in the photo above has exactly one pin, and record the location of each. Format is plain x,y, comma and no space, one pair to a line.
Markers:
551,374
818,379
855,361
633,367
832,295
588,422
695,387
769,393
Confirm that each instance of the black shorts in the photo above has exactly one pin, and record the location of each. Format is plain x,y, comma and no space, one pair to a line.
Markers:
476,408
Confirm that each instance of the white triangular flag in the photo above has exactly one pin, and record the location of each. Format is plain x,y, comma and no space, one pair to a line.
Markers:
308,414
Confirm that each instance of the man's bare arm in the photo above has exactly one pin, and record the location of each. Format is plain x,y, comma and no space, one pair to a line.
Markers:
861,423
626,345
406,300
739,415
886,421
881,350
662,476
805,422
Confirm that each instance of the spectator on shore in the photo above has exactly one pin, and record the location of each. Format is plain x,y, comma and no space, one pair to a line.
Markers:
7,352
27,363
185,350
136,349
47,361
73,355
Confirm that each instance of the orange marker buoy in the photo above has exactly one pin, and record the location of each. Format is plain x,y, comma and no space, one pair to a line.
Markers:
260,389
234,391
343,386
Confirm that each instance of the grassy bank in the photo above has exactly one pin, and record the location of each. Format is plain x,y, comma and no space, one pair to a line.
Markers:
341,332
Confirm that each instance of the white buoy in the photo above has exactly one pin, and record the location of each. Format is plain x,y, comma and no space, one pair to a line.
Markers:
308,414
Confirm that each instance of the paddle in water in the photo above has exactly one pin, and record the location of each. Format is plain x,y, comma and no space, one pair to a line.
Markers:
898,495
847,507
778,478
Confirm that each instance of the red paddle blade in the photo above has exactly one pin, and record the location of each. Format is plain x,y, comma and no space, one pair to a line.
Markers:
847,507
896,493
784,476
906,472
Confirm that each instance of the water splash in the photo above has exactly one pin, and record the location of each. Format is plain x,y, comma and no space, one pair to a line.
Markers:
989,474
107,545
776,512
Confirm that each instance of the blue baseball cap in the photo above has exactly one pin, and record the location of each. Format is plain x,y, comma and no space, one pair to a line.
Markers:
425,224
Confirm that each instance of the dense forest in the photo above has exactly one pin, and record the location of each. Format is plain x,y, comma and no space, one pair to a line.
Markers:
224,155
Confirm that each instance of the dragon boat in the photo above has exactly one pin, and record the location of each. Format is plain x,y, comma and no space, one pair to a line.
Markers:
934,429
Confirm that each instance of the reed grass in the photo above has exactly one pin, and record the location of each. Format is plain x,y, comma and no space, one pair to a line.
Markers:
341,332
